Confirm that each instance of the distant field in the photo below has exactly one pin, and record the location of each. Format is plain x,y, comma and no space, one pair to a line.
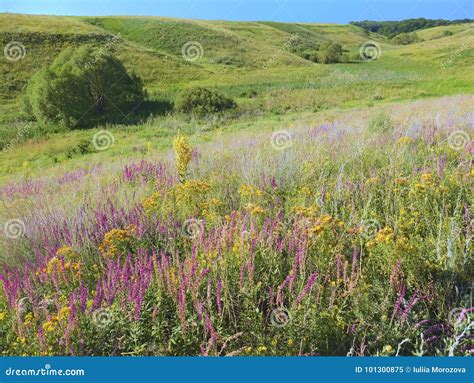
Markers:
233,61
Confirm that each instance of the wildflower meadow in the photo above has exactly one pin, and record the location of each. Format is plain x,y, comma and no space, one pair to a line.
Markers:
350,236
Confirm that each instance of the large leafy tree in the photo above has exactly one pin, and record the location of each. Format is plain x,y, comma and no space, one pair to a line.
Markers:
83,87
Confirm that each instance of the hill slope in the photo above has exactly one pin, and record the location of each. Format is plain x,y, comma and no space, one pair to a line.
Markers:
259,64
231,51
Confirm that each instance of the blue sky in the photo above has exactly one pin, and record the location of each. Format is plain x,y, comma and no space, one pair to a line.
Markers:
336,11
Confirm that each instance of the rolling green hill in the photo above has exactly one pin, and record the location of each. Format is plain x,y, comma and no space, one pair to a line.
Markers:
259,64
232,52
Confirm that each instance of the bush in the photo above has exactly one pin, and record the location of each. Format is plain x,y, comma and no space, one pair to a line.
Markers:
405,39
443,34
251,93
329,52
83,87
81,148
200,102
310,55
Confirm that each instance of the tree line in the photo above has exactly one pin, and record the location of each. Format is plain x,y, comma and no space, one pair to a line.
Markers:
393,28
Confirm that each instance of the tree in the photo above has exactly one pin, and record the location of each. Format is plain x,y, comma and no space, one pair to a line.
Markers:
83,87
329,52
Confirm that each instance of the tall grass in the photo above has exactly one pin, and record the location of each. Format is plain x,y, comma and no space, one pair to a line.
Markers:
344,238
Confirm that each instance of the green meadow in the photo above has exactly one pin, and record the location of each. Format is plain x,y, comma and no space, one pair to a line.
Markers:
264,189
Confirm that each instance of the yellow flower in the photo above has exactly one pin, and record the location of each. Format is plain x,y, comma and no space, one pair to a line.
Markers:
326,222
383,236
192,194
54,266
49,326
261,349
304,211
405,140
388,349
151,203
28,318
401,181
426,177
254,209
64,313
66,252
183,152
2,316
307,191
291,342
234,213
249,191
317,229
116,240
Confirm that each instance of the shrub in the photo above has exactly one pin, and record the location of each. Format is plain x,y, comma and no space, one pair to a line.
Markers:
228,60
329,52
443,34
310,55
83,87
82,147
355,57
251,93
345,58
200,102
405,39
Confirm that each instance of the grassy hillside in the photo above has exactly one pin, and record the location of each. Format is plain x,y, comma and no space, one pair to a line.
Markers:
328,211
233,52
256,63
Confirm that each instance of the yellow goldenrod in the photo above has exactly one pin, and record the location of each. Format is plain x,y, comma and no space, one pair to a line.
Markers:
249,191
254,209
49,326
383,236
116,240
67,253
151,203
54,266
183,152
